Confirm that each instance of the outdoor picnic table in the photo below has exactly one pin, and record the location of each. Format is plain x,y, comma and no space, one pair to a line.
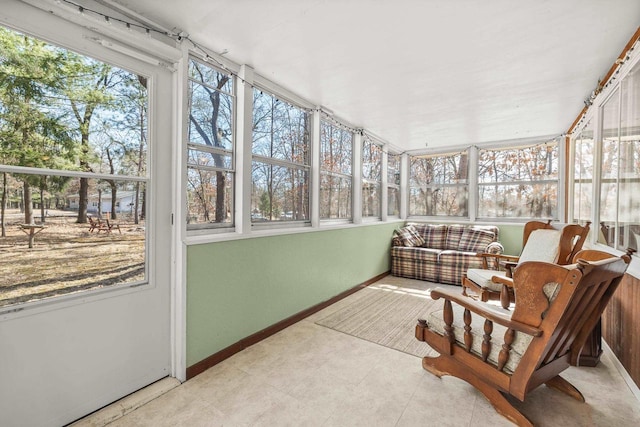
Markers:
31,230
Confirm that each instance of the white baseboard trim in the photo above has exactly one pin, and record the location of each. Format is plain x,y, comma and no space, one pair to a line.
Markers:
623,372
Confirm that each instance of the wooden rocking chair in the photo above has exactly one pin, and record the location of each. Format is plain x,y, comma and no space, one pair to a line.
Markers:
503,352
542,241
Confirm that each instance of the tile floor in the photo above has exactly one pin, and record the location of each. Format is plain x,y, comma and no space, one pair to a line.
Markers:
309,375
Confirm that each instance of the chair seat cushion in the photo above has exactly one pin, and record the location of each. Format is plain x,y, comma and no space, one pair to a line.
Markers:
518,347
483,278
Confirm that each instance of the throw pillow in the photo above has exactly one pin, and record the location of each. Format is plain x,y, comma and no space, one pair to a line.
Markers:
409,236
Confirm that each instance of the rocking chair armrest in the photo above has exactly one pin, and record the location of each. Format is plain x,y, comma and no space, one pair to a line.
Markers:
484,310
502,280
499,256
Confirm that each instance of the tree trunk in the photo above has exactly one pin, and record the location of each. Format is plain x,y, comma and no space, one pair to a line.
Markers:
3,204
144,204
83,201
99,203
136,203
43,184
28,207
114,203
221,212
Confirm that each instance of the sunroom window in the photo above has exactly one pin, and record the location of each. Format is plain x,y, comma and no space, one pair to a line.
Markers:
281,160
371,178
619,215
336,159
519,182
583,174
439,185
210,147
393,184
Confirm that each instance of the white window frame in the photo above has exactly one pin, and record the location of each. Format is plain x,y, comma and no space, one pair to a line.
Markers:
594,115
441,185
211,227
305,167
329,121
559,203
395,184
367,140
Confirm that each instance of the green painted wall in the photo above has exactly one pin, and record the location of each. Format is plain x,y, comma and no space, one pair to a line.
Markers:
239,287
511,238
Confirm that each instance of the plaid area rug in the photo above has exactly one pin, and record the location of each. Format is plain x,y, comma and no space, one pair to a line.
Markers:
386,313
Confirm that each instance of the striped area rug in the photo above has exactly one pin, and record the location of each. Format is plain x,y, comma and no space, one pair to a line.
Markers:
386,313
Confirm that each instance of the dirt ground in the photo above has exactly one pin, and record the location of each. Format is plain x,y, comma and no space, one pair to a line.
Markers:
67,258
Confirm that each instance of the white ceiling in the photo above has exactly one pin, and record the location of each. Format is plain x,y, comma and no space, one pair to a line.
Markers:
417,72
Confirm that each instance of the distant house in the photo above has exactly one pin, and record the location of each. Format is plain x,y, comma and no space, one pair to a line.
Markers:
125,202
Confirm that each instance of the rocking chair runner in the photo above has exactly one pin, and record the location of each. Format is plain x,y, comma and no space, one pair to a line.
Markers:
512,352
557,243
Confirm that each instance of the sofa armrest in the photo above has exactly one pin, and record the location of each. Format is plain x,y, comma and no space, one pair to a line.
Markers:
492,255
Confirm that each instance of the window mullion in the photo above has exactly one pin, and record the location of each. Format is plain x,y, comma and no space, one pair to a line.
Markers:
315,169
356,183
244,137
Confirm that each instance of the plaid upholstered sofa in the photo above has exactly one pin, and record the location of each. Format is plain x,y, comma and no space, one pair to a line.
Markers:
441,253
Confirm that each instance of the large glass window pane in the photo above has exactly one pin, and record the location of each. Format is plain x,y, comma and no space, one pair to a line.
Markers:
393,184
371,178
583,174
370,199
518,182
280,130
336,158
439,186
210,171
280,172
208,197
609,167
335,197
371,161
629,163
518,200
82,227
336,149
65,256
279,193
393,202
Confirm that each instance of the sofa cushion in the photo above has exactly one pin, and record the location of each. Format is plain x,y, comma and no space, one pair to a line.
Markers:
475,239
454,264
409,236
454,234
434,235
